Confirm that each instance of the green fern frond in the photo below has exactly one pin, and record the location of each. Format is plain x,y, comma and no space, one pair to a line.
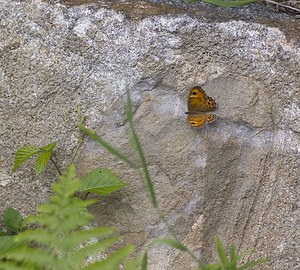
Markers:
61,242
34,258
112,262
231,262
78,237
93,249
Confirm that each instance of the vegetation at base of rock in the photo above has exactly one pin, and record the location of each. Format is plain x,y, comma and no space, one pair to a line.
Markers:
63,237
99,181
230,262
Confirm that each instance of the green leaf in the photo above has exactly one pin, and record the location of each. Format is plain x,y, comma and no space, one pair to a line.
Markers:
24,153
250,264
36,235
134,264
212,267
170,242
13,220
131,265
60,242
221,251
139,149
8,243
44,157
41,162
33,257
79,257
113,261
101,181
114,151
228,3
48,147
8,265
81,236
232,253
145,261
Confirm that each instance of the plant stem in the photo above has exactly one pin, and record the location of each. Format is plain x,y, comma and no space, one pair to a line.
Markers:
282,5
57,168
80,141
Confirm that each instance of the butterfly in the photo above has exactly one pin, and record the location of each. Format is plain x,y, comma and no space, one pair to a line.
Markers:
198,103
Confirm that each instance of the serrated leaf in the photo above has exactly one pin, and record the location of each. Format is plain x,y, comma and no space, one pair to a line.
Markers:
42,161
112,261
93,249
171,243
48,147
44,157
34,258
13,220
24,153
101,181
81,236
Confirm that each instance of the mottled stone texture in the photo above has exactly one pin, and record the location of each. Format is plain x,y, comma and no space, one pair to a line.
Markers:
237,177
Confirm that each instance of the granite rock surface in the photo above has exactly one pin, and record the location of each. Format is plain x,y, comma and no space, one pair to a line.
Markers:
237,177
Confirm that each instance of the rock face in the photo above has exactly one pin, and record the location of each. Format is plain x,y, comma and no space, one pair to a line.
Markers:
237,177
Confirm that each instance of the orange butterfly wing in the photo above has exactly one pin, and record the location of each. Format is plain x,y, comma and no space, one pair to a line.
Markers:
198,102
200,120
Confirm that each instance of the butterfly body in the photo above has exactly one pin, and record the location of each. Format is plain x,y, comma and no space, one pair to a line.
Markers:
199,103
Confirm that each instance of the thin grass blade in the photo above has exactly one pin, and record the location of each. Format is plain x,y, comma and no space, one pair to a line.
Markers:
145,261
137,145
221,251
92,134
251,264
170,242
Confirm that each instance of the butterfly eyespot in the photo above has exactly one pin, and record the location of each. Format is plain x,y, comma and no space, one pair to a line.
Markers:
199,103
